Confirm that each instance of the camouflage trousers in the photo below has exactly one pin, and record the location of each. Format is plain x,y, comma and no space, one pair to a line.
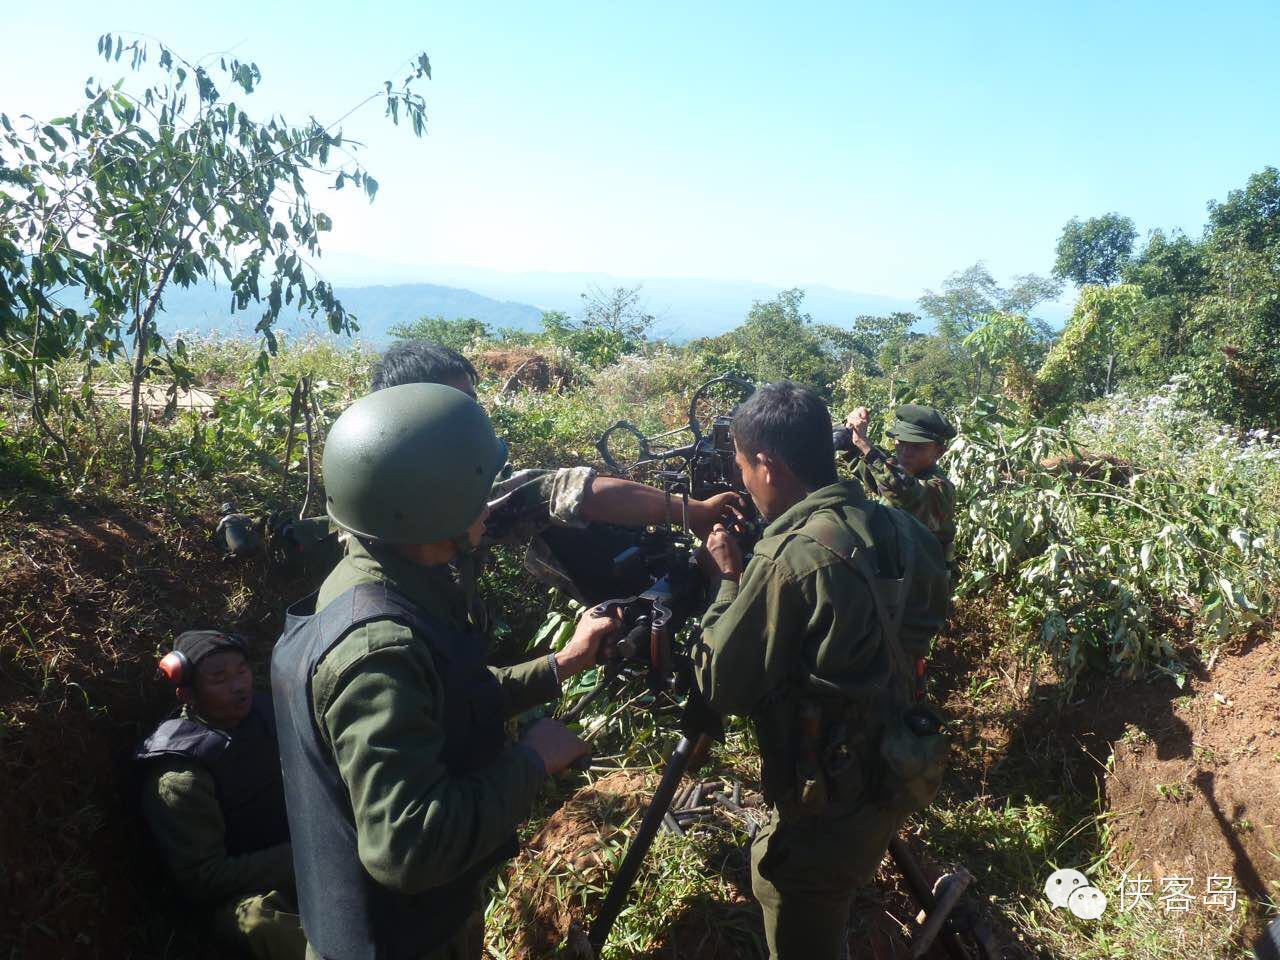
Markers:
805,871
265,926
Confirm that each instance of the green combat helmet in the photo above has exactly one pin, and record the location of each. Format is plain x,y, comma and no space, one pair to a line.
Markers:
919,424
411,464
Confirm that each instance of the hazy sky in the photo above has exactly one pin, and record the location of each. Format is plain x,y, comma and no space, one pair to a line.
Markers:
871,147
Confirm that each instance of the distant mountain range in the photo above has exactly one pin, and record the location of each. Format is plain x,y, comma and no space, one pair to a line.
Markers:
684,308
206,309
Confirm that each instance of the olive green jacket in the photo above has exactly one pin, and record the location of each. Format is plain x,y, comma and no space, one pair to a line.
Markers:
180,805
801,612
930,496
378,703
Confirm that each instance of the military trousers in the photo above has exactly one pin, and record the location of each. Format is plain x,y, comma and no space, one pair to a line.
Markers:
265,926
466,944
805,871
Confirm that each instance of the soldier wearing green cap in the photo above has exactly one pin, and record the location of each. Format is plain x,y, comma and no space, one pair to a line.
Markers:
403,791
909,479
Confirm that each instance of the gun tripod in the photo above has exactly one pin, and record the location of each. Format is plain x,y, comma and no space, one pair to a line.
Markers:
948,918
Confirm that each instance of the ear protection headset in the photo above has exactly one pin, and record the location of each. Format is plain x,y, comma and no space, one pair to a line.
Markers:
176,667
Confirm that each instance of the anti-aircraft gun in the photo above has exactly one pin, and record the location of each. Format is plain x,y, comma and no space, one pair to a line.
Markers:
655,581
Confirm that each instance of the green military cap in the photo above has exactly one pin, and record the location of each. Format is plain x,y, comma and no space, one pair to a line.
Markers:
919,424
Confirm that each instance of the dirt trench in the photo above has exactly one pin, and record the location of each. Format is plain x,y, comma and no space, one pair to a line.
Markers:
88,600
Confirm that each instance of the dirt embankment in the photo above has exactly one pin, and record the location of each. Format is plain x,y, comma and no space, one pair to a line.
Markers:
1195,788
88,601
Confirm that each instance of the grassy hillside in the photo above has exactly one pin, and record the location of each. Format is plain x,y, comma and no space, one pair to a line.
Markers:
1109,666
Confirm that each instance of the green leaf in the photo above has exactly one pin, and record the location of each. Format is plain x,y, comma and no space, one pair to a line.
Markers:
55,136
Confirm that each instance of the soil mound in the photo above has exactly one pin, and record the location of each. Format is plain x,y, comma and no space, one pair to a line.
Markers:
1199,796
579,841
517,367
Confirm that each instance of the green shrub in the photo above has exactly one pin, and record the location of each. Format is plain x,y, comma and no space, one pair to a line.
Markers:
1098,553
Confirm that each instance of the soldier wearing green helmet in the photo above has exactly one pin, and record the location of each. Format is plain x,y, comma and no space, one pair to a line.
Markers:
540,510
909,479
402,789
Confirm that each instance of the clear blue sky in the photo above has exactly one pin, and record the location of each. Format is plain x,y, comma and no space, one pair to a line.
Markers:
871,147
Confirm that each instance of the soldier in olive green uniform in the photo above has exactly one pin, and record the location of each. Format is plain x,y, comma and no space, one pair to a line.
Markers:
213,800
910,479
814,641
403,792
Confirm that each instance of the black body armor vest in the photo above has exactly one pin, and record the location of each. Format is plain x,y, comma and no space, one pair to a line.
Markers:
245,766
346,914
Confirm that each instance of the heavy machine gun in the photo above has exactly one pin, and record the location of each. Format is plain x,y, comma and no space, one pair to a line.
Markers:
661,563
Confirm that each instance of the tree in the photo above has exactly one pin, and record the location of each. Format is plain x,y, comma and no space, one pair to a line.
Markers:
1249,218
613,324
1237,322
617,311
457,333
1081,365
1173,273
171,184
1095,251
968,301
1010,346
778,341
876,341
971,295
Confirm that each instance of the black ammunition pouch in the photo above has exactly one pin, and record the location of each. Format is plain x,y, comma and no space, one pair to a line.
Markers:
819,753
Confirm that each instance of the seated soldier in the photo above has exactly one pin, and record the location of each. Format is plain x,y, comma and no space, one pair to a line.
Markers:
909,479
213,798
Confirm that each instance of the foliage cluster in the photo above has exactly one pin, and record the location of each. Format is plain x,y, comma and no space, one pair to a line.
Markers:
1208,309
174,183
102,211
1180,520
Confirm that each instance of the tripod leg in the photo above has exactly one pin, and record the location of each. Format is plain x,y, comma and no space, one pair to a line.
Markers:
923,894
677,764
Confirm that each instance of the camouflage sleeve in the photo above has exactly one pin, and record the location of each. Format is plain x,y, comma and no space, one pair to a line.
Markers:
528,501
929,497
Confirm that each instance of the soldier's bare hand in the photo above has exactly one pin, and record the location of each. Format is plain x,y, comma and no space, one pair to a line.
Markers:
583,649
555,744
858,421
723,552
722,508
